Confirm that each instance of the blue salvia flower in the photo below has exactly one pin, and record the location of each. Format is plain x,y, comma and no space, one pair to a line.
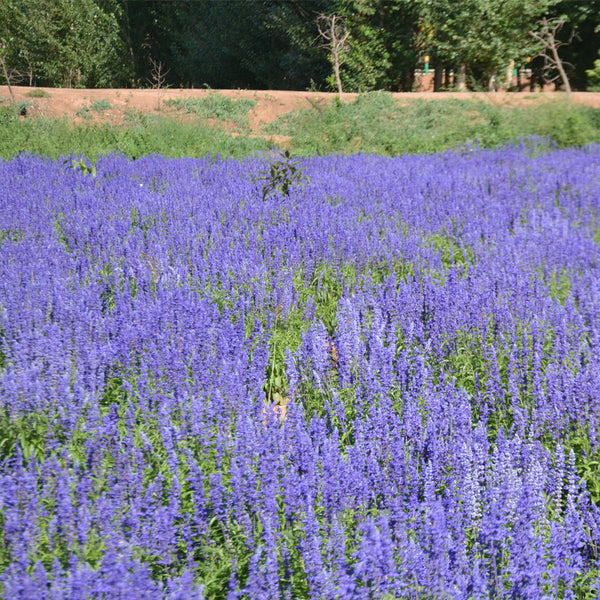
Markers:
135,320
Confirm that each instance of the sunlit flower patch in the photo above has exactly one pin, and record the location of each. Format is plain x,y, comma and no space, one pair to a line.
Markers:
382,383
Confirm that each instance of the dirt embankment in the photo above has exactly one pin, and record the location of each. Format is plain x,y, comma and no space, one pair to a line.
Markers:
117,105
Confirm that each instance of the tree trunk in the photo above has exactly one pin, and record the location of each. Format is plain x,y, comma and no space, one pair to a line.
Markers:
492,81
509,75
437,77
461,78
561,69
7,79
533,79
336,70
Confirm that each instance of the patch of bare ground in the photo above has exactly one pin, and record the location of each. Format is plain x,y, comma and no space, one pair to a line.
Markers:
122,105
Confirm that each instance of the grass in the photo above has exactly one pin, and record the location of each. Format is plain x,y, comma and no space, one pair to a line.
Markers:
374,122
141,136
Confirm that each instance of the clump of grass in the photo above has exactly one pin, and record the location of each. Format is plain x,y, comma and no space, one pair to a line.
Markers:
135,117
99,106
38,93
215,106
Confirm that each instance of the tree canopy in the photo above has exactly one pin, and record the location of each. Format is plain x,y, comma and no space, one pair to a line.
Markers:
273,44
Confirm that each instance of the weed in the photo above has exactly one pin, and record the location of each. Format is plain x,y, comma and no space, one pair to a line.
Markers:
374,122
80,164
282,175
10,113
10,235
98,106
149,135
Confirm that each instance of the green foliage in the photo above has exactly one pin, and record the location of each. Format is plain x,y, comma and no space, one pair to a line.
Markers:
98,106
38,93
80,164
587,460
254,45
451,253
28,433
10,235
484,35
584,19
284,335
559,284
282,175
594,76
60,42
375,122
215,106
60,137
12,112
382,52
270,45
568,124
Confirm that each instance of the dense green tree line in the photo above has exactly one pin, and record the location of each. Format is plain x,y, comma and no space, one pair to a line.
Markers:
273,43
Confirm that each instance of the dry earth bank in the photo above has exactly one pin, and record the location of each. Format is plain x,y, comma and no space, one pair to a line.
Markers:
270,104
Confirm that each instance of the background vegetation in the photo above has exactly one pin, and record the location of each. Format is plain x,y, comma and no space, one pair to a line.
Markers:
272,44
374,122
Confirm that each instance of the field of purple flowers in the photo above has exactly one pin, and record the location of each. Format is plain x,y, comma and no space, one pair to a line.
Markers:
385,384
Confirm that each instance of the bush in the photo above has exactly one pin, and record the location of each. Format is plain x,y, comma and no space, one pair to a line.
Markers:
594,77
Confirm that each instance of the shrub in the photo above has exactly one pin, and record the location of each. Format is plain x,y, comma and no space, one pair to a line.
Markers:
594,76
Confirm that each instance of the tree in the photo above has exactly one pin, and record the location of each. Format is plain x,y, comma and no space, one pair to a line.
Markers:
334,36
11,75
384,50
227,44
61,42
584,18
9,61
594,76
547,36
482,36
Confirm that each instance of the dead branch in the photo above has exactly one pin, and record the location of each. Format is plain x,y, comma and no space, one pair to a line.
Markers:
547,36
158,75
334,34
10,75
